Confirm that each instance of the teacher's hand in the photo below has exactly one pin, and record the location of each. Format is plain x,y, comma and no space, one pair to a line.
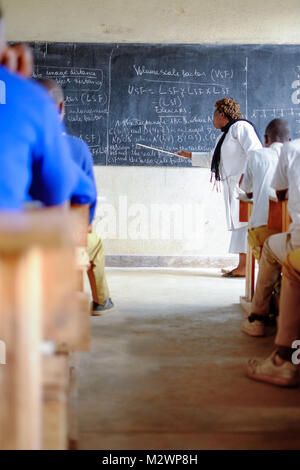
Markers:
184,154
18,59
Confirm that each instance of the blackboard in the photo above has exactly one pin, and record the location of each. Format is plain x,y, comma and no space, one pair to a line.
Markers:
118,95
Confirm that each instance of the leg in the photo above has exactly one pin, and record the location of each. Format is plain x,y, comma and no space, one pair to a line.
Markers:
279,369
97,277
269,273
289,318
242,264
257,237
238,245
274,252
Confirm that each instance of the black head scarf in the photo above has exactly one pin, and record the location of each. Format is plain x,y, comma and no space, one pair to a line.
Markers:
215,164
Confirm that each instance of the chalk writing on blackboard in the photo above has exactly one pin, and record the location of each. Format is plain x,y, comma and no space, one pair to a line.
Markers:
118,95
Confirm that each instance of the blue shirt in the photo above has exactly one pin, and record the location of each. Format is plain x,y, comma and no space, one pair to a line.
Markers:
81,155
35,160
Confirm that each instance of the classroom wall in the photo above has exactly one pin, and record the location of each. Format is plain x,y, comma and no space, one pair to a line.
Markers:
195,21
144,207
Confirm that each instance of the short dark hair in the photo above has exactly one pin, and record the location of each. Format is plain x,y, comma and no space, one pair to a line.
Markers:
54,89
278,130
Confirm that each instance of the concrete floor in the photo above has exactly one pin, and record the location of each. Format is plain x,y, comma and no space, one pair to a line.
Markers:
165,369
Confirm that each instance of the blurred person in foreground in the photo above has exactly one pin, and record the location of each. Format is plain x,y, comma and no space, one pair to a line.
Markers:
36,163
82,157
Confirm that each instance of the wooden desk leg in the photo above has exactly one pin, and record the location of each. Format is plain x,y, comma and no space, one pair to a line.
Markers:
55,402
286,220
20,325
250,281
73,428
250,273
252,276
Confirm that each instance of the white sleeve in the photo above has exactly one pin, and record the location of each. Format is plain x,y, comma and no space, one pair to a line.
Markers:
246,135
201,159
280,179
247,183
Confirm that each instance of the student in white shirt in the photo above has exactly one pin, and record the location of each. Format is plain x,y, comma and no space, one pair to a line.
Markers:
228,161
277,247
260,169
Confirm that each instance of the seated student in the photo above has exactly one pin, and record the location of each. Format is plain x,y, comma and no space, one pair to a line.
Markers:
260,168
82,156
35,158
277,247
282,366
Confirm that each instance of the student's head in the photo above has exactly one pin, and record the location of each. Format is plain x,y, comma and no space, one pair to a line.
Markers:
277,130
227,109
56,93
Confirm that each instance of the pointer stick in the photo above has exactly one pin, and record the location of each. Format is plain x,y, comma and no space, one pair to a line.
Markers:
159,150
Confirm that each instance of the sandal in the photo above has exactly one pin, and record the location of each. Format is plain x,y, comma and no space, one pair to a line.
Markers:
231,274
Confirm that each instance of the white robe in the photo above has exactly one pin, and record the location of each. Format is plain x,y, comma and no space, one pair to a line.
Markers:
240,139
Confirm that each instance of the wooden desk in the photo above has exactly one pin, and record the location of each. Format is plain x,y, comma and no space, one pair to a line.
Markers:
25,243
38,303
279,218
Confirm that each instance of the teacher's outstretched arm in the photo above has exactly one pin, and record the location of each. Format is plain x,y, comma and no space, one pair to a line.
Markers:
200,159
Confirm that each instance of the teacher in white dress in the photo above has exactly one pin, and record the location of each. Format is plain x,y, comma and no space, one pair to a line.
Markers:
228,162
